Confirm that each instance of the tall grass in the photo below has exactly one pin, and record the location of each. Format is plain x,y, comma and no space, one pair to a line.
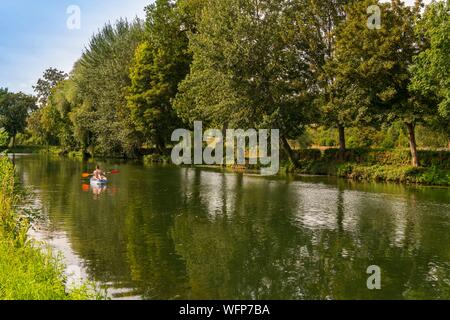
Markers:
27,272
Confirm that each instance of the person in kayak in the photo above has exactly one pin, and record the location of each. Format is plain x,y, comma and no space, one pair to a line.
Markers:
99,174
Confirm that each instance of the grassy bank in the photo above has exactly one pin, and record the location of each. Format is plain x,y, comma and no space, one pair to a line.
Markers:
23,149
26,272
377,165
360,165
407,174
52,151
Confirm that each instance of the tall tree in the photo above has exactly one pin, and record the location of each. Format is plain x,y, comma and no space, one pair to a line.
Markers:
160,64
315,25
248,72
431,69
14,110
373,65
101,76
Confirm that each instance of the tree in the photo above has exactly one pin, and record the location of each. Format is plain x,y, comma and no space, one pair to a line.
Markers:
49,80
248,72
51,124
431,69
14,110
101,118
160,64
373,66
315,25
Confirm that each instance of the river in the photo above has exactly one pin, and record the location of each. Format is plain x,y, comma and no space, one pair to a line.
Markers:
164,232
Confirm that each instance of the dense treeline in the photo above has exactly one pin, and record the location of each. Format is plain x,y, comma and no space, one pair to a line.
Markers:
303,66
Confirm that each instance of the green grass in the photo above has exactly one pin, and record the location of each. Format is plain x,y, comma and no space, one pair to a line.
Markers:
26,271
376,165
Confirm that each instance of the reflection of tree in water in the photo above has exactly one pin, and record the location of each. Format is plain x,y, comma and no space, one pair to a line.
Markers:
259,253
246,253
184,233
95,230
155,268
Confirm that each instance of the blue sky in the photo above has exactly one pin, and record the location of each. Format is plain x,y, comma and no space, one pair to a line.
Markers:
34,35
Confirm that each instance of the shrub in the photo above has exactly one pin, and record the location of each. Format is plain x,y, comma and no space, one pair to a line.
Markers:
4,138
403,174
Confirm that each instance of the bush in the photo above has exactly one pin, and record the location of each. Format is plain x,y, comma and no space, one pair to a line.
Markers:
309,154
4,138
406,174
378,165
156,158
401,157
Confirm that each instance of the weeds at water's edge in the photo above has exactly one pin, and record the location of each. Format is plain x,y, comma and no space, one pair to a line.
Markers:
27,271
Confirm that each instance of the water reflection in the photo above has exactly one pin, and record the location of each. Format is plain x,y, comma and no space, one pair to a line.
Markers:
172,233
97,191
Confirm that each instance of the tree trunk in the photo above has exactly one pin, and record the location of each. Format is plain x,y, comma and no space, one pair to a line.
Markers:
412,143
342,145
160,145
448,146
14,141
289,152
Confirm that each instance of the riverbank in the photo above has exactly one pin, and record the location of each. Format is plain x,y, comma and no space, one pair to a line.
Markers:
211,227
27,272
377,165
359,165
51,150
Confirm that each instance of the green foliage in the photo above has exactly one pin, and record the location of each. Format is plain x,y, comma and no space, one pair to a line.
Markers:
373,68
309,155
254,64
27,272
377,165
100,78
431,68
4,138
88,111
14,110
431,137
397,157
407,174
390,137
157,158
160,64
338,103
45,85
246,71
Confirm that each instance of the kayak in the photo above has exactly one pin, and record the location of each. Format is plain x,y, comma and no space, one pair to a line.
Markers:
98,182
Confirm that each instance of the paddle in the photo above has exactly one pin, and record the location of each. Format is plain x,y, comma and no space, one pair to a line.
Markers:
87,175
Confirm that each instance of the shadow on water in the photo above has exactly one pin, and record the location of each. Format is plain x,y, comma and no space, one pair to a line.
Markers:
180,233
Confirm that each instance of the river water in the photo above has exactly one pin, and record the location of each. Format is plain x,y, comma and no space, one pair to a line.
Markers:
164,232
